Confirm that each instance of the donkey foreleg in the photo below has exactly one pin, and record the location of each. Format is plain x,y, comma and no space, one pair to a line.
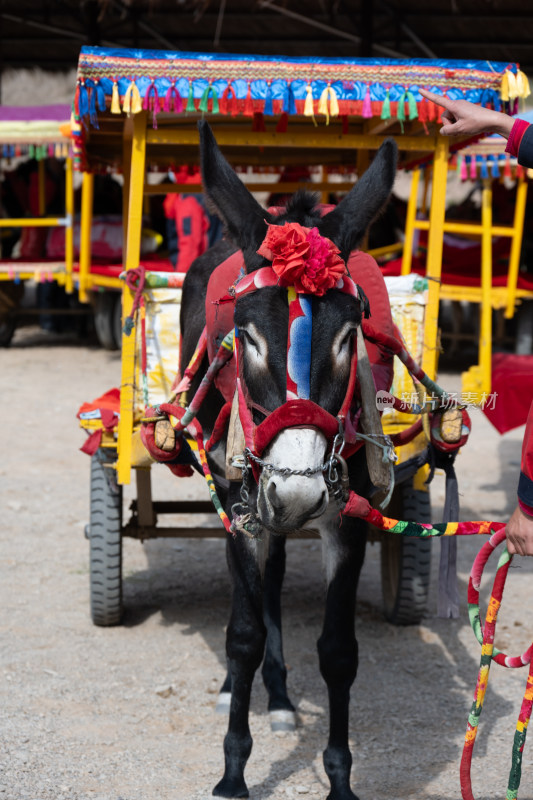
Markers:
245,643
282,717
337,647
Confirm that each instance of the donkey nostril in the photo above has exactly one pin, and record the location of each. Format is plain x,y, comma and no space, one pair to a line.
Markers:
272,494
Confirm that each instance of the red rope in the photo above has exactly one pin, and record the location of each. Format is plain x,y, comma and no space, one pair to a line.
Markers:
135,281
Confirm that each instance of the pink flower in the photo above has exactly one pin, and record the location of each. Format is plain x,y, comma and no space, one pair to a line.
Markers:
302,258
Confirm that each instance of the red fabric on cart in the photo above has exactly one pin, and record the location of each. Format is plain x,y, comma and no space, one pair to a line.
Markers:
512,381
109,406
110,400
452,278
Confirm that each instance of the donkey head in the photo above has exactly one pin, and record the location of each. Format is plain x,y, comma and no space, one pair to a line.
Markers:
294,345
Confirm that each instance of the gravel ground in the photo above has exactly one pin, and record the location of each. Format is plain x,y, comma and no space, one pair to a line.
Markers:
102,714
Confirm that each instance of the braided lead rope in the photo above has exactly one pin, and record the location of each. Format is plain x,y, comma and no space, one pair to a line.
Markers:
485,635
358,506
195,430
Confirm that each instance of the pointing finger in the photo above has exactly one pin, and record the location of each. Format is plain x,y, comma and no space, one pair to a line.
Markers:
439,99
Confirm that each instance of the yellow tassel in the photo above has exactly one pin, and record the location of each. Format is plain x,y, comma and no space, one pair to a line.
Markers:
504,89
333,109
115,99
513,88
136,102
308,106
522,84
333,103
323,102
309,110
126,103
132,103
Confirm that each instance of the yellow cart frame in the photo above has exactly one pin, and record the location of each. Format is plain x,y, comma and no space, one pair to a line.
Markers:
477,381
40,135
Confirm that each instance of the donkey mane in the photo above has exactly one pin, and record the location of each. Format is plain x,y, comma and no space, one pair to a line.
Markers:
303,208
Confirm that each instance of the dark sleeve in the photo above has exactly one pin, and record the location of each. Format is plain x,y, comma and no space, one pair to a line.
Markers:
525,150
525,484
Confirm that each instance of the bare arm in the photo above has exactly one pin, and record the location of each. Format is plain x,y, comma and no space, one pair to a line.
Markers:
462,118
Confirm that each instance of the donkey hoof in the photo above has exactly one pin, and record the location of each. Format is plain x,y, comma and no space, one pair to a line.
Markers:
282,720
231,789
223,703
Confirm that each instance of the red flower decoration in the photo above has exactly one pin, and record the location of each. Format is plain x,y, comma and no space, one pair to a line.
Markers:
302,258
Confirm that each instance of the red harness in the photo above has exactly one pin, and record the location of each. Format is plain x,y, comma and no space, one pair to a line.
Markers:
297,410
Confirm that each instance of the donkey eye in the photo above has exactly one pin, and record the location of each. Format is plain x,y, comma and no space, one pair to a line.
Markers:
245,336
345,341
254,344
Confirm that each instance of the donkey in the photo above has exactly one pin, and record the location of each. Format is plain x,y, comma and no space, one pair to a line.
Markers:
296,357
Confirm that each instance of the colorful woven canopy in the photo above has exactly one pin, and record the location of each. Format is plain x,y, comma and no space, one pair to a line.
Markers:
263,87
36,131
286,80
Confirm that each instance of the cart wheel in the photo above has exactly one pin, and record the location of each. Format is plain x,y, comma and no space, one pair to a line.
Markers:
7,329
104,319
405,560
105,537
11,294
524,329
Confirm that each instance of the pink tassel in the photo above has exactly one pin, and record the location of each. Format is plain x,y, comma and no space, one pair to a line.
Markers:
155,106
464,171
367,105
473,168
173,95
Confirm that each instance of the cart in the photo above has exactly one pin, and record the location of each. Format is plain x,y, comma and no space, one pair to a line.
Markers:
40,133
262,111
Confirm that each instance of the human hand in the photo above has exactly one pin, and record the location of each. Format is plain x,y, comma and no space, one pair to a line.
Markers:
462,118
519,533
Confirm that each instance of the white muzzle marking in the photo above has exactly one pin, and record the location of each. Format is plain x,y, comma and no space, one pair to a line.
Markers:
288,501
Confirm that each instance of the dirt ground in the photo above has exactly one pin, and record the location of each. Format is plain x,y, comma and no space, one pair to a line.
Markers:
127,713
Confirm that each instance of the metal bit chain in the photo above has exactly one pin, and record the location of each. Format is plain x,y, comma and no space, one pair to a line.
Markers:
248,455
244,519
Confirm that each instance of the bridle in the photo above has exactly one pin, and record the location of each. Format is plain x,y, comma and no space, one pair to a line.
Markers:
298,410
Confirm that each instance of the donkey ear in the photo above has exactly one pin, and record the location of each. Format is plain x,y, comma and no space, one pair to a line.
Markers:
348,222
242,215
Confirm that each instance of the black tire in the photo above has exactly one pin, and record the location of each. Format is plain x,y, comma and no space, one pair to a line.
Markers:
7,329
105,537
524,329
406,560
11,295
104,319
